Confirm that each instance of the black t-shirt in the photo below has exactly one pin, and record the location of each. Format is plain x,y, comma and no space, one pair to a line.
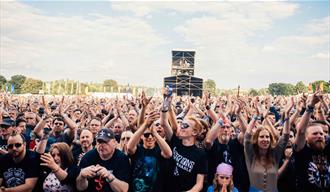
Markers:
287,181
312,169
188,161
77,153
145,169
233,154
118,164
14,174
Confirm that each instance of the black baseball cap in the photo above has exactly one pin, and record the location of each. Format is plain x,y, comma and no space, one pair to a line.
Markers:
7,122
105,134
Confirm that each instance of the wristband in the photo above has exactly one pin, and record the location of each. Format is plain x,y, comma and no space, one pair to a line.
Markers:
110,180
220,122
310,109
164,111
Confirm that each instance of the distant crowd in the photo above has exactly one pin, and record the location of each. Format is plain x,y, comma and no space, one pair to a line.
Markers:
165,144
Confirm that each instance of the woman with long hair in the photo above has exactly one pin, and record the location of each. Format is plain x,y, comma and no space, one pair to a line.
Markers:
223,179
263,153
62,171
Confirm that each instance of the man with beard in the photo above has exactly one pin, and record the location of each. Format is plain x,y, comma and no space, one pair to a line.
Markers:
6,129
20,168
222,149
312,155
86,141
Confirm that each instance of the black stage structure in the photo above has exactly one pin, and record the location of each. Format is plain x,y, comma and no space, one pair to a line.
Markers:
182,80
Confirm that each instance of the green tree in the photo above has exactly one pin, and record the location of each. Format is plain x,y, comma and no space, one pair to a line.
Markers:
300,88
281,89
326,88
31,86
110,83
210,86
17,81
263,91
253,92
3,82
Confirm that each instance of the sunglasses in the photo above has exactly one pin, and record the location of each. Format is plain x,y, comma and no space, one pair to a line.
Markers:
58,123
125,138
17,145
147,135
157,124
185,125
225,127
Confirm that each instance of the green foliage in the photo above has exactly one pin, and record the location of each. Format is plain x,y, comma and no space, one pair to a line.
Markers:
110,83
17,81
31,86
300,88
281,89
2,80
326,88
210,86
263,91
253,92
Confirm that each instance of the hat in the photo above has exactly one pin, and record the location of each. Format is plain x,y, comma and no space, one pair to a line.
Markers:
225,169
105,134
6,122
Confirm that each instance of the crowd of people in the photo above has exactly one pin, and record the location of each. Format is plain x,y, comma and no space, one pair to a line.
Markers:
165,144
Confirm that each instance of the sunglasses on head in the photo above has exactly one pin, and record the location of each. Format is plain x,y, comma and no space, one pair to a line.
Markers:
125,138
184,125
17,145
147,135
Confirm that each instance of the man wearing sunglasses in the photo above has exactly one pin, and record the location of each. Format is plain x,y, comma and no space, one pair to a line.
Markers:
20,168
189,162
6,129
104,168
146,158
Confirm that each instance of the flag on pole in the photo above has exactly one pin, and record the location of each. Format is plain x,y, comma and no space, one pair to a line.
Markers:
12,88
321,86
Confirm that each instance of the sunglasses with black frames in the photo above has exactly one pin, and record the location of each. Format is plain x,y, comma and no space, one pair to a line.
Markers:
17,145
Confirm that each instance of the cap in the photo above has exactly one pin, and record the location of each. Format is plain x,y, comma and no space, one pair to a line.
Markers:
224,169
105,134
6,122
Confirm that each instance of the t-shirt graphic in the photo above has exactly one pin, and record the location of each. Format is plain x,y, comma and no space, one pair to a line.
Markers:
14,177
145,174
182,162
319,172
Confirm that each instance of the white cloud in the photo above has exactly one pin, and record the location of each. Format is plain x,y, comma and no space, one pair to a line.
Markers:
78,47
321,56
319,26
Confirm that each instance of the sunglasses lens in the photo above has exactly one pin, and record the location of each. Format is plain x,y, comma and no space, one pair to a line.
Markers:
157,124
184,125
11,146
147,135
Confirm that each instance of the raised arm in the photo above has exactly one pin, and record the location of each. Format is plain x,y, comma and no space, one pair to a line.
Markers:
135,139
302,125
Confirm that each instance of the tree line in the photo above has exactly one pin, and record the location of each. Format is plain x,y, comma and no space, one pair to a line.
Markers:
20,84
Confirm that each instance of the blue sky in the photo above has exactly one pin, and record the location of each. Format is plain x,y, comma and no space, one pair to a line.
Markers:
247,43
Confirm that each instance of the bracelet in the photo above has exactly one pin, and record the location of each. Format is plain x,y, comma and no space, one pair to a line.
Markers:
110,180
208,107
164,111
220,122
310,109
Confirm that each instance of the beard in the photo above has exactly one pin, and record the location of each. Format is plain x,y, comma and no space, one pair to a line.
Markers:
317,145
